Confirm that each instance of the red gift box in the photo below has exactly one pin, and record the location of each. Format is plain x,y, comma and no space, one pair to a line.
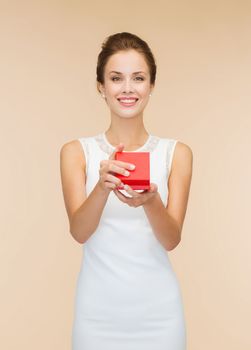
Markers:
139,178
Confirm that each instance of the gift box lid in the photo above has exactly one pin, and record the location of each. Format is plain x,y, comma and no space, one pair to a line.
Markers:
139,177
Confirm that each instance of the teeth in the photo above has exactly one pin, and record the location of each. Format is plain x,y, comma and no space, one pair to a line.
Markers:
128,101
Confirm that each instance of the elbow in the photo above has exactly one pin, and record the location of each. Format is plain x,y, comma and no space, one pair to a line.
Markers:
78,238
175,243
173,246
81,236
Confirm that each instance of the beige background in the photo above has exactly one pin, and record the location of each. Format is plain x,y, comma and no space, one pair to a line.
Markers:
48,97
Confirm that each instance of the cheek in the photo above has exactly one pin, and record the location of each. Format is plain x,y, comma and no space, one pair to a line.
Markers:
143,90
112,88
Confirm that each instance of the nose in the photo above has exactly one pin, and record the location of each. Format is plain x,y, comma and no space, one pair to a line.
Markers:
127,86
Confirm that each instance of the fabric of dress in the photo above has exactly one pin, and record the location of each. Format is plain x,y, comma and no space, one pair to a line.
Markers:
127,294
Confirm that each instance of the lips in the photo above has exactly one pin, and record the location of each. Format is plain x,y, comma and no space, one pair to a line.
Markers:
128,102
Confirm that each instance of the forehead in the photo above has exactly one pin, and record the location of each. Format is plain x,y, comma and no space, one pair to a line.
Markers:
127,62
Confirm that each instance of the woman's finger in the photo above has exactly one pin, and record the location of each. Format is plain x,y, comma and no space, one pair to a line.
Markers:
121,196
129,190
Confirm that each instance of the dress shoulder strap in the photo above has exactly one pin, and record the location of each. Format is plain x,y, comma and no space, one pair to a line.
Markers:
170,147
84,141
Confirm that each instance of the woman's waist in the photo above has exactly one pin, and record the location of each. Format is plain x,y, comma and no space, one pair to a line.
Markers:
128,275
148,256
126,243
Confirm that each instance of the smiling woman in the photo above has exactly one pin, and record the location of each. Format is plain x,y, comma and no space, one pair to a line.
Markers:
127,84
127,294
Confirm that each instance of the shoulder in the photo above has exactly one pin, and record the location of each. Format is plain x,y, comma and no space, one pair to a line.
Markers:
180,150
73,150
183,157
183,150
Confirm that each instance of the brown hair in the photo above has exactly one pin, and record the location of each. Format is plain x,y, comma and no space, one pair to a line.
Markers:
122,42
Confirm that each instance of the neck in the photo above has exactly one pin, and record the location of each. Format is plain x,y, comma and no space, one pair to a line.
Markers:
130,131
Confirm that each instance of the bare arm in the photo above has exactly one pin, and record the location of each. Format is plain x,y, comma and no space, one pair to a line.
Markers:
84,212
167,222
164,226
86,219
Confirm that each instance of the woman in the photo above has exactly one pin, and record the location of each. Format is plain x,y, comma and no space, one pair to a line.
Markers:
127,295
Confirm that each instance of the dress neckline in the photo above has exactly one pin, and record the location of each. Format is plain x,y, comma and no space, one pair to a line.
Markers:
136,150
105,146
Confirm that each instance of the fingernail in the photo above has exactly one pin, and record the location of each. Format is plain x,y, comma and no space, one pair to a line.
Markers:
132,166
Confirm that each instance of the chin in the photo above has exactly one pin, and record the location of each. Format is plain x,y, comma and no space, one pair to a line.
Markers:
128,114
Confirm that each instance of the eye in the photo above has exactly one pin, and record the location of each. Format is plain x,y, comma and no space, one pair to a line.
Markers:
114,78
140,78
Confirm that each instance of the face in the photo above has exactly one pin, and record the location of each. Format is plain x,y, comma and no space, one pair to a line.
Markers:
126,83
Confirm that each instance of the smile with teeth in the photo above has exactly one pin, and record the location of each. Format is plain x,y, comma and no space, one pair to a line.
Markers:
128,101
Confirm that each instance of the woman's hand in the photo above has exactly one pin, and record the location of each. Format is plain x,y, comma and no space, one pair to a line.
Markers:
138,198
107,180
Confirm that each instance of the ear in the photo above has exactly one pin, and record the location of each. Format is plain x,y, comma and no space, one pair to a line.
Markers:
100,88
152,88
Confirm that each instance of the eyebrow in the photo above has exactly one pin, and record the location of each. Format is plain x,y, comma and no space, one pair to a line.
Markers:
132,73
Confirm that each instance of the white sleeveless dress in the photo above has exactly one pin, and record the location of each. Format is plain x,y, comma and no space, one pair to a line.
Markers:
127,294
